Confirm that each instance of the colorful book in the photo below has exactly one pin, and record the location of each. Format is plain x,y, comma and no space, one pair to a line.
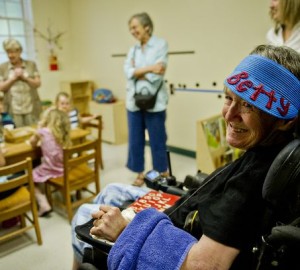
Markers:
156,199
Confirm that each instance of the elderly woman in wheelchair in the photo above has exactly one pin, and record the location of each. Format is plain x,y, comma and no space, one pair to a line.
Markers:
262,100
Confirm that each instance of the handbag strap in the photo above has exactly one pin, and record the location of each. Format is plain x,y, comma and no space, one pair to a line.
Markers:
159,87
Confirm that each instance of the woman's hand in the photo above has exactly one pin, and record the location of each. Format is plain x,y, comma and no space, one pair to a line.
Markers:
109,223
18,72
159,68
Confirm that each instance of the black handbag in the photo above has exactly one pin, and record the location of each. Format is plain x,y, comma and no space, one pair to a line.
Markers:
146,102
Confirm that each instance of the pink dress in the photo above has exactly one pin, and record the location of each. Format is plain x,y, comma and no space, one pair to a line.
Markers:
52,160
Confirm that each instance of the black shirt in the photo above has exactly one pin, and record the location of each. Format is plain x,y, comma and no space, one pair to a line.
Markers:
230,205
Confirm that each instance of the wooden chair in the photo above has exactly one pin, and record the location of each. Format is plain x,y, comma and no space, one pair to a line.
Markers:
80,170
96,125
21,201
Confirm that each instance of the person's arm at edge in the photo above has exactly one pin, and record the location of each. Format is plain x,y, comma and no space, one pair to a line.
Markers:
208,254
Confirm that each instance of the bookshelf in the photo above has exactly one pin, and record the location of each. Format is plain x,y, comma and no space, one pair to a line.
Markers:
114,120
212,149
80,92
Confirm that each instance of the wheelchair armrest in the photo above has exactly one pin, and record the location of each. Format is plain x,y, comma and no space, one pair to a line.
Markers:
173,190
192,182
83,234
87,266
93,259
126,204
286,234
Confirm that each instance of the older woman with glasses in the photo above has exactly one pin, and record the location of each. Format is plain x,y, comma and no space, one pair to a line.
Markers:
145,67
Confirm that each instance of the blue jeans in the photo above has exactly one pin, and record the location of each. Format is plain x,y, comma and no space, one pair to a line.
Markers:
154,122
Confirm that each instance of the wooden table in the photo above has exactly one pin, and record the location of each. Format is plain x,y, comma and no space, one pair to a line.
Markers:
19,151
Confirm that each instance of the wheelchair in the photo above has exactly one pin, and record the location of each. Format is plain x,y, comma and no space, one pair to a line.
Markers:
279,247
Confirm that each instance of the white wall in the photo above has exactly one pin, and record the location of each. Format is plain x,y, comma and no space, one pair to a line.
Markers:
220,32
56,15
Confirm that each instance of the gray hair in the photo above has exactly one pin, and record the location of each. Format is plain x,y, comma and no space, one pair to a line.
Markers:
283,55
12,44
145,21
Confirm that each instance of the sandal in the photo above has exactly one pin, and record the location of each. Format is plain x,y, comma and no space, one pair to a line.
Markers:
165,174
139,181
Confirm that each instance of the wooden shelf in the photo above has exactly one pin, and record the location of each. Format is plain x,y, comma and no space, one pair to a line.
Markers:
80,92
212,149
114,119
81,96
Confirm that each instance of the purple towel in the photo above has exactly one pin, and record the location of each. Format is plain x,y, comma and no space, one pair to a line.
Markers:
151,242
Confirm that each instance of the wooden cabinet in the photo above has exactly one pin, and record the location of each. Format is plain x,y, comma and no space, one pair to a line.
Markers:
212,149
80,92
114,119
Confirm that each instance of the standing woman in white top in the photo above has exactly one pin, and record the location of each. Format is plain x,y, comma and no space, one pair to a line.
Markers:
145,67
286,16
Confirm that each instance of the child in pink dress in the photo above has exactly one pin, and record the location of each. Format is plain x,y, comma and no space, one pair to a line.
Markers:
53,136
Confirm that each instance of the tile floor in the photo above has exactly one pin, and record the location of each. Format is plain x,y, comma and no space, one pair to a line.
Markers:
23,253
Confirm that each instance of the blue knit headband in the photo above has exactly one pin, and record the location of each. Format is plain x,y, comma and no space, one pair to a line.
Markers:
267,86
